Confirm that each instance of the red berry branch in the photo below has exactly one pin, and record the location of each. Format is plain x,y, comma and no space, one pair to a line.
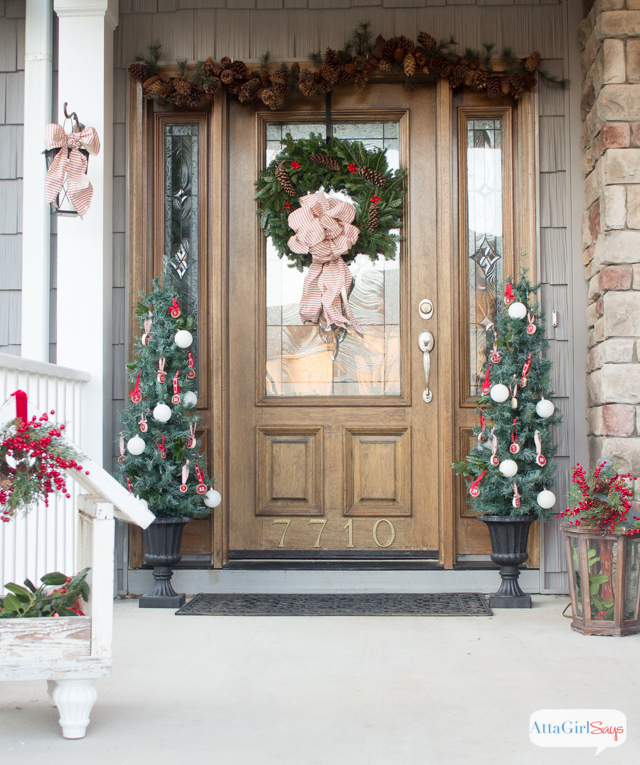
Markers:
33,458
602,500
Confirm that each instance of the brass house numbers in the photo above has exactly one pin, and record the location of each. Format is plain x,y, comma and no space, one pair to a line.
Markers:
382,532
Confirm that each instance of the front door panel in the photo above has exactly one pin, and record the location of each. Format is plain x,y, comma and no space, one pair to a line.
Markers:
334,457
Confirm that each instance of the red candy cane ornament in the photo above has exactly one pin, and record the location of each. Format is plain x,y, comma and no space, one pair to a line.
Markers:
161,448
201,488
525,372
474,487
192,372
540,458
185,476
175,399
135,395
486,385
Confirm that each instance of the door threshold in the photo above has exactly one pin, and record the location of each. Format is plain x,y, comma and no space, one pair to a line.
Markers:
333,565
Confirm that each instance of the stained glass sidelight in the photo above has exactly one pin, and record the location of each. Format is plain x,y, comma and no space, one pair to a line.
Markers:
299,363
181,215
484,164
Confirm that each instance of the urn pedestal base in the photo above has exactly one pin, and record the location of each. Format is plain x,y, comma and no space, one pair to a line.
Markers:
162,550
509,538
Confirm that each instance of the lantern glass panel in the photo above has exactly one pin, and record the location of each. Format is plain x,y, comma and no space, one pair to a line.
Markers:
575,562
601,560
632,581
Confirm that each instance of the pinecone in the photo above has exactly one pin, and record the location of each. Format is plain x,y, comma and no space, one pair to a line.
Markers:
410,64
268,97
505,86
211,85
156,85
227,76
481,79
399,54
239,69
329,162
474,64
407,45
455,81
278,75
249,90
350,68
329,74
207,68
295,69
517,84
493,87
194,96
529,81
283,177
360,81
345,77
281,89
386,66
373,176
440,66
427,42
306,83
325,87
426,70
469,77
458,76
530,63
359,63
374,219
389,49
331,57
421,56
264,78
182,85
370,64
225,62
139,72
378,46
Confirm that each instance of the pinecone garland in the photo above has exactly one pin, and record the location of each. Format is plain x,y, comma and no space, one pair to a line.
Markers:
371,175
249,90
329,162
283,177
374,219
139,72
426,41
532,61
410,64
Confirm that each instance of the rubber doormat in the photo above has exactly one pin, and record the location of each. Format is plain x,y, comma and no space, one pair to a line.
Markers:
360,604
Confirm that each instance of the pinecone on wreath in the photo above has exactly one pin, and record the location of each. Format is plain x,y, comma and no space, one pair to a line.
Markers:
532,61
139,72
329,162
227,76
283,177
389,49
249,90
371,175
378,46
329,74
493,87
361,81
426,41
440,66
331,58
374,219
307,83
410,64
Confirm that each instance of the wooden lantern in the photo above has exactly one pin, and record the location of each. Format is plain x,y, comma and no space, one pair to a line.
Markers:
610,563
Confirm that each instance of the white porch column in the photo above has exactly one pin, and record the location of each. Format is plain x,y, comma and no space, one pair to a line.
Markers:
85,81
36,217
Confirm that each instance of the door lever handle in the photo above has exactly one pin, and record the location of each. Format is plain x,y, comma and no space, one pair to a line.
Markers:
426,343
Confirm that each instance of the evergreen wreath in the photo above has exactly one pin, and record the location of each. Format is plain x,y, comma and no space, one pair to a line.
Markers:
312,164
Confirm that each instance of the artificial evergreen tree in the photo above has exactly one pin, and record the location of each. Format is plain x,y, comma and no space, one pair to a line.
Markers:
160,459
515,413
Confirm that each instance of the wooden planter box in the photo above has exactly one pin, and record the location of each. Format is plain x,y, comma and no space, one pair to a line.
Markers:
610,605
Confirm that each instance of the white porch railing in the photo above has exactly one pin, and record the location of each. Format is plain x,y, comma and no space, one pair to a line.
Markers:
45,540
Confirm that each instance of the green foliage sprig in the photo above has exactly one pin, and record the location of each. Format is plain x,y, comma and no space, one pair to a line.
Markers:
307,177
514,344
32,601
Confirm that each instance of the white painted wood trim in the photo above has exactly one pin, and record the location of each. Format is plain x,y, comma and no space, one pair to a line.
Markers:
67,637
43,669
36,215
33,366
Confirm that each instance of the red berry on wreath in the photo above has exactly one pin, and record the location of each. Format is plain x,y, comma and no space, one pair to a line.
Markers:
375,199
352,167
295,165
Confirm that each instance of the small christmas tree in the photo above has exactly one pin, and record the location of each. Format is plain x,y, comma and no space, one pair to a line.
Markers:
160,458
509,467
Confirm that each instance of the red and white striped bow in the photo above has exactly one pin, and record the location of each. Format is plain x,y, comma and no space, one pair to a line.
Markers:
70,164
323,229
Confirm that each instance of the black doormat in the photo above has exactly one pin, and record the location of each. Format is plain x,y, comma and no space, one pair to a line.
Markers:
360,604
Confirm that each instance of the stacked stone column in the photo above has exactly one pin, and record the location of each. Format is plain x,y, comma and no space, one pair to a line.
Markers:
610,41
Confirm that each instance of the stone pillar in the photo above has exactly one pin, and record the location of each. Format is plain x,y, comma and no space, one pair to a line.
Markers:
84,294
610,41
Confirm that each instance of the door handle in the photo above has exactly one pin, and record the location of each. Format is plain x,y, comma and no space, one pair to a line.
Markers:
426,343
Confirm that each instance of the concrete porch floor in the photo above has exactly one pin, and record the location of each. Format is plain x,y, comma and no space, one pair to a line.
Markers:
333,691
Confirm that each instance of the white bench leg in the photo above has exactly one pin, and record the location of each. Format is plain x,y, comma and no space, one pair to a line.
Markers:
51,684
74,699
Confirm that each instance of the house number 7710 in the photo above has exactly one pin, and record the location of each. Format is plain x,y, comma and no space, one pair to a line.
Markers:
388,538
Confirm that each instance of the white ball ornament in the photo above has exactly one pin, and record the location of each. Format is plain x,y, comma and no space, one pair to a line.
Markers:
162,413
136,446
183,338
546,499
545,408
212,498
517,310
499,393
189,398
508,468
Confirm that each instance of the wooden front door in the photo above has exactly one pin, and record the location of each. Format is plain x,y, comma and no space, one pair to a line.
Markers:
337,458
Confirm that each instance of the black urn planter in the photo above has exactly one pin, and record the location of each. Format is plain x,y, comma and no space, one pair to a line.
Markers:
162,551
509,538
